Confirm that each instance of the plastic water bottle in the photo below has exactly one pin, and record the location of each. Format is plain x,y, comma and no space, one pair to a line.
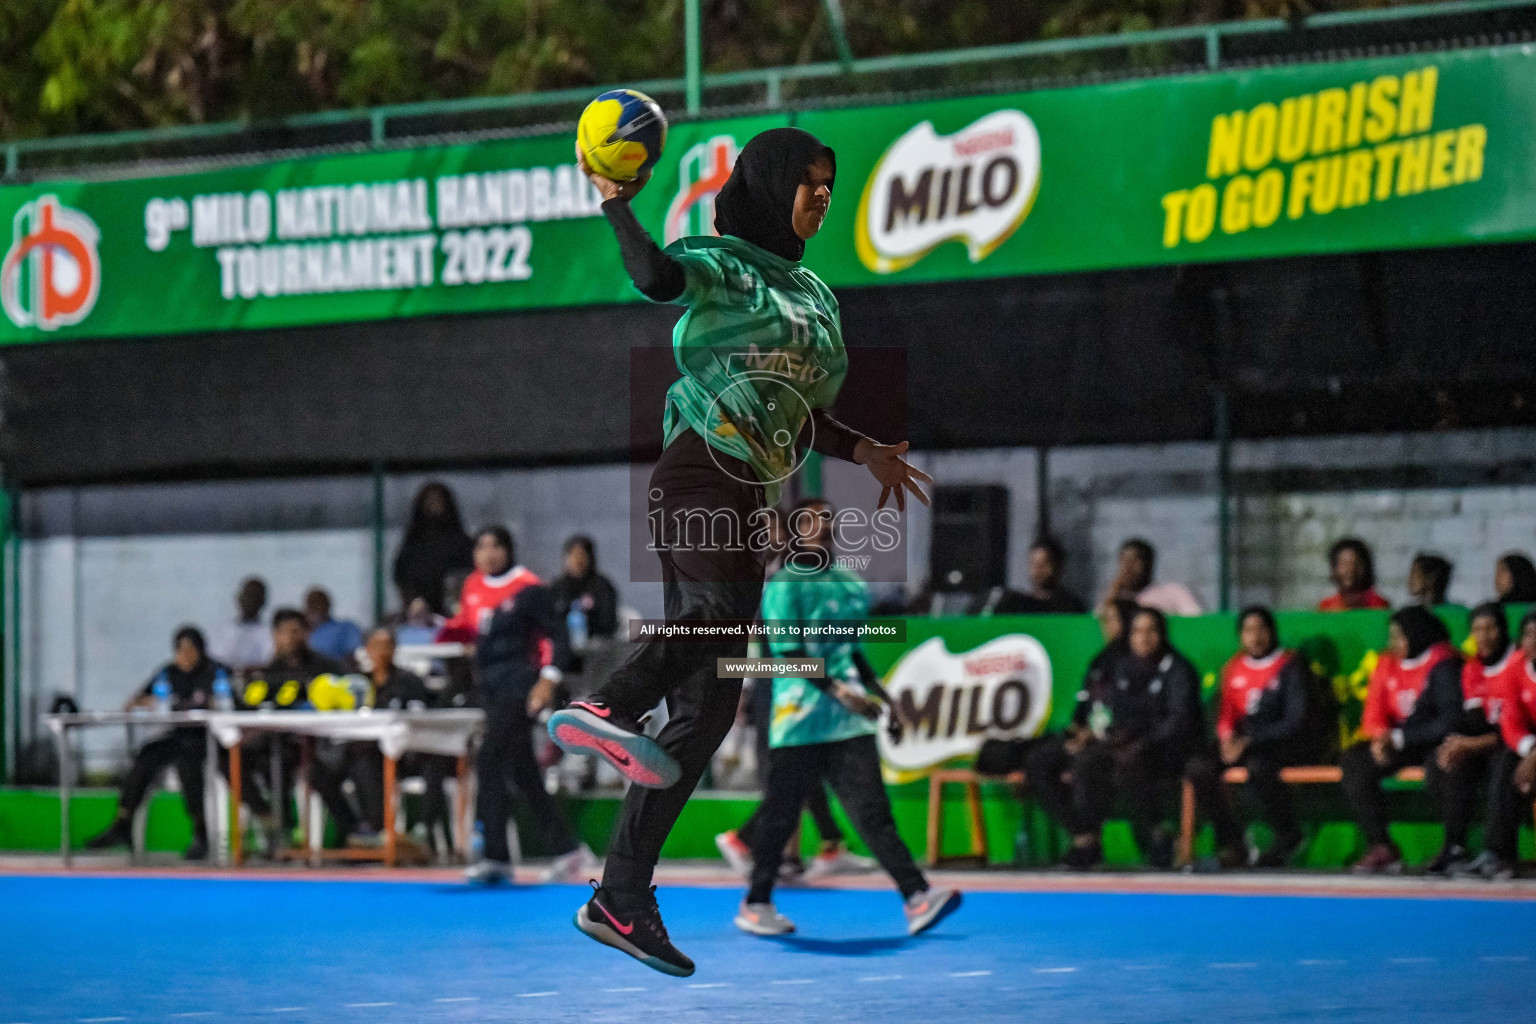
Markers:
576,626
162,693
1021,854
358,684
477,842
223,696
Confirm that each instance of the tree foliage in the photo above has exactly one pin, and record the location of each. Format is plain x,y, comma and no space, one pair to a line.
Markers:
70,66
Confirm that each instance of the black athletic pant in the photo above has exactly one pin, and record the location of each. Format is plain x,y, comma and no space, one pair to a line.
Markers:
1273,797
1506,805
1100,773
507,759
701,512
815,801
183,748
1458,792
1362,785
852,768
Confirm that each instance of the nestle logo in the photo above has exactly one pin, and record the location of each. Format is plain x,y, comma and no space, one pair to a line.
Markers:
984,142
995,664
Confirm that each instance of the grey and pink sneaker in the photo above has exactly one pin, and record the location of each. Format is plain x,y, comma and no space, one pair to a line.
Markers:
592,727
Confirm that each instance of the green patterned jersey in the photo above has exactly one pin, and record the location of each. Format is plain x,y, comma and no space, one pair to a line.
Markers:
759,347
802,714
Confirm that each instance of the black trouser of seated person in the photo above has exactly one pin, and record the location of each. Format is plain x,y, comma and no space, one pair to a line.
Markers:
1100,772
183,748
1458,792
365,767
1506,805
326,773
852,768
1362,785
1263,762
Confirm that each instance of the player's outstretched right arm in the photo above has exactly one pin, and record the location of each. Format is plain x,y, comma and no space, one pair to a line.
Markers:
658,276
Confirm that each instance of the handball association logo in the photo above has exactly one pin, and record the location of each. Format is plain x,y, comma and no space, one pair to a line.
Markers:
701,174
976,185
52,273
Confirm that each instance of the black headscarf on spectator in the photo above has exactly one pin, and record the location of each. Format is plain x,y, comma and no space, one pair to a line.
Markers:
1522,573
433,548
1137,670
1269,620
1494,611
758,201
1421,627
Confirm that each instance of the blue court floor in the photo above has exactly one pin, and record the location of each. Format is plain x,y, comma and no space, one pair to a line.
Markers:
104,951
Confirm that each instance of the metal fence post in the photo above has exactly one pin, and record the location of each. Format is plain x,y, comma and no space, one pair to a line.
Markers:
693,46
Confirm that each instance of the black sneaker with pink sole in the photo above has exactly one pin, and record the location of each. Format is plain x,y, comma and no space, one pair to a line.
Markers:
592,727
631,923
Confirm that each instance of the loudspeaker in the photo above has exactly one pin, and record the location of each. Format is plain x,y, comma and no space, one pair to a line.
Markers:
968,551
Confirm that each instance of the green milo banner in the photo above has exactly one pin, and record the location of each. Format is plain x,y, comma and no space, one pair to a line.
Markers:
1417,150
961,680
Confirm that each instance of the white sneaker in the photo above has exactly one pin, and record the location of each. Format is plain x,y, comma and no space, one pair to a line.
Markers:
736,853
488,872
840,861
927,908
762,919
575,866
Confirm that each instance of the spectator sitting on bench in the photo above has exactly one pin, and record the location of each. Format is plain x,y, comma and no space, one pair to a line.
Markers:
1142,720
1353,570
1272,716
1458,774
285,684
1412,703
191,676
396,689
1514,766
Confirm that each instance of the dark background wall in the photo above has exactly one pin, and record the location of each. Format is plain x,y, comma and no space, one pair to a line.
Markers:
1375,342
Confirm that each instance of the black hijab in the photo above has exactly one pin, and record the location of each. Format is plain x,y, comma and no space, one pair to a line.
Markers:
1494,611
1421,627
1269,620
757,202
1522,579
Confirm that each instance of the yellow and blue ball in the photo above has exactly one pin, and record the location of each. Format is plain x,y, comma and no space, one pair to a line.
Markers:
622,133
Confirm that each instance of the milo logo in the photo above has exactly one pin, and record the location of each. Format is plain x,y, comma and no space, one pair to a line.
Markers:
976,186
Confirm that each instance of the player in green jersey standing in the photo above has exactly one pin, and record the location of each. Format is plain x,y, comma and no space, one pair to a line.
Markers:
761,355
823,730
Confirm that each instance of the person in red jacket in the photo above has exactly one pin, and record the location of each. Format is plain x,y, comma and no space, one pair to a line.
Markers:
1457,775
1354,574
1514,767
1413,703
1271,716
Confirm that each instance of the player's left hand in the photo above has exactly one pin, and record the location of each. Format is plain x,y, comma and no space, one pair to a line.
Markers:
895,474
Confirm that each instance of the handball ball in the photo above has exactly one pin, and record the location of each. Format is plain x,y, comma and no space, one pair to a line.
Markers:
622,132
